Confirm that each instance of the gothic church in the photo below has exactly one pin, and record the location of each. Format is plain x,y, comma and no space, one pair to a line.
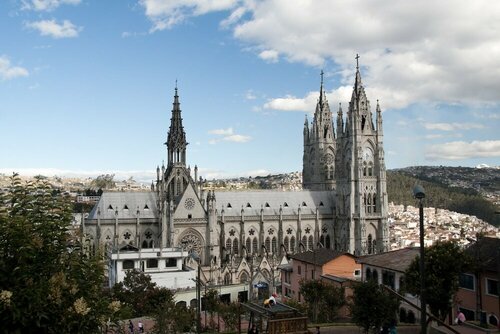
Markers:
343,205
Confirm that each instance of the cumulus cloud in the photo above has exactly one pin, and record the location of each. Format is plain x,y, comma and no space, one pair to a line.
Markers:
420,51
7,71
223,132
55,30
459,150
46,5
227,135
452,126
269,55
166,13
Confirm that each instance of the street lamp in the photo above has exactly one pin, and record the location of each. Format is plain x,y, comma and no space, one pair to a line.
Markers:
419,193
194,255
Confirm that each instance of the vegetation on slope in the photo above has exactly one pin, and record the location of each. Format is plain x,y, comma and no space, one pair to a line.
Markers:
466,201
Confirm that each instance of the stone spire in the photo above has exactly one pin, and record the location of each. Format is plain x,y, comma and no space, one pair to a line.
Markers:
176,139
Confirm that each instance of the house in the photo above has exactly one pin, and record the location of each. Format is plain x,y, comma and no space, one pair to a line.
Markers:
321,263
388,269
477,296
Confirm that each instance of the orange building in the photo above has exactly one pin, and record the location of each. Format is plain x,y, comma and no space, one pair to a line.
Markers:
338,268
477,296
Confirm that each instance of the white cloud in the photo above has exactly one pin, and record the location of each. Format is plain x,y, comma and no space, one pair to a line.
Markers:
237,138
55,30
419,51
250,95
7,71
166,13
223,132
227,135
452,126
459,150
46,5
269,55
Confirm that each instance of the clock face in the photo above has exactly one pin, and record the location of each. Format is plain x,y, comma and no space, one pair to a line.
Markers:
189,203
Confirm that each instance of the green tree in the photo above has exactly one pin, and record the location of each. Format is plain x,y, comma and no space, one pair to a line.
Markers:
211,302
372,306
142,295
444,261
47,284
230,314
323,296
104,181
172,318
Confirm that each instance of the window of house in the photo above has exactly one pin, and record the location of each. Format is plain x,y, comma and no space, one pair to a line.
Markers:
299,270
128,264
169,263
466,281
152,263
492,287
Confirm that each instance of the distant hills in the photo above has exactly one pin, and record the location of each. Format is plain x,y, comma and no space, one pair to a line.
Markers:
472,191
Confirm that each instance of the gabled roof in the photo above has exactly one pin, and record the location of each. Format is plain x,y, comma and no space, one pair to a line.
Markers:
397,260
319,256
485,251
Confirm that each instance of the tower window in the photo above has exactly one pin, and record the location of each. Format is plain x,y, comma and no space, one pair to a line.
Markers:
110,207
125,207
285,205
190,216
267,205
146,207
229,205
248,205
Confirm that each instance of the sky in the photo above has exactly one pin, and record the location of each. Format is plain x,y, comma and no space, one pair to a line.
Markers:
86,86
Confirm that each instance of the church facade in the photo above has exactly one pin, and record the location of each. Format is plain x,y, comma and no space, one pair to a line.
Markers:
242,236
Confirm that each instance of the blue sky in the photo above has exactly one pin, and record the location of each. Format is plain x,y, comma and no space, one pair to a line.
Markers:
86,86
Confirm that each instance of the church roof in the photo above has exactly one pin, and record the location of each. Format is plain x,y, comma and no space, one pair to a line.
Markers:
124,205
271,200
319,256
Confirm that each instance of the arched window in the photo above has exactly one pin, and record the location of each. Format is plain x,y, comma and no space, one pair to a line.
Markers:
310,243
248,245
364,203
369,203
128,264
327,243
229,244
322,240
369,244
374,245
235,246
274,247
243,277
374,203
268,244
144,244
255,247
364,169
151,244
227,279
304,243
286,242
375,276
292,244
370,169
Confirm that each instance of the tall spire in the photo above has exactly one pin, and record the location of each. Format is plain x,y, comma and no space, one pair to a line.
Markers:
176,139
357,82
321,92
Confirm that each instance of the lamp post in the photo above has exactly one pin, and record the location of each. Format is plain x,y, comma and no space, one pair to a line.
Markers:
419,193
194,255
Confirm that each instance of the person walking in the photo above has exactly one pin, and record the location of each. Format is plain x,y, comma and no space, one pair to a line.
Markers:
460,319
140,327
131,327
317,330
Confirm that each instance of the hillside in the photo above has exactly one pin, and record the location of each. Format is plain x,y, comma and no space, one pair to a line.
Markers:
469,191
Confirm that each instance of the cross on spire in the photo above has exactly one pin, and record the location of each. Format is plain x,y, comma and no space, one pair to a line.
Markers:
322,77
357,61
